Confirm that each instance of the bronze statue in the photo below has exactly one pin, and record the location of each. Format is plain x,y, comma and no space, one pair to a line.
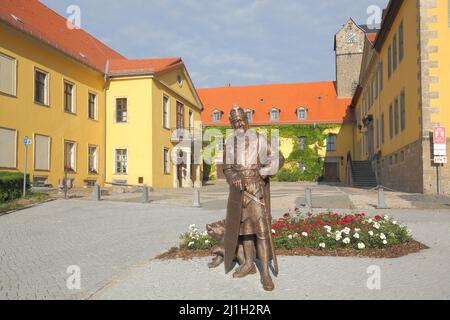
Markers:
248,223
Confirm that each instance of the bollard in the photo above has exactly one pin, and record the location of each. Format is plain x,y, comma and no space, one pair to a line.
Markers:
381,200
196,199
145,194
308,197
96,193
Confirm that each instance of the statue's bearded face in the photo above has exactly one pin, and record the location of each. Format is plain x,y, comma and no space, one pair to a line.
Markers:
239,124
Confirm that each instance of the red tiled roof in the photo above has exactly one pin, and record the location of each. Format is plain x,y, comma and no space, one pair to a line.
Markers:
143,66
42,23
319,98
372,36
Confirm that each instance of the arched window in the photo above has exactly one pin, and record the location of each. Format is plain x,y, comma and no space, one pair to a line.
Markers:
302,114
331,143
275,114
217,116
249,113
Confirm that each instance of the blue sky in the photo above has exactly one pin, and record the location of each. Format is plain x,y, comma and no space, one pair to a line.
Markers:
242,42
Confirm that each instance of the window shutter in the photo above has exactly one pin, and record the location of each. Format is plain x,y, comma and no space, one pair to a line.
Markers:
42,153
8,148
7,75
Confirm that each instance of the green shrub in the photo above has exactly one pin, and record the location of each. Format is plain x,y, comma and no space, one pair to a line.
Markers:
11,185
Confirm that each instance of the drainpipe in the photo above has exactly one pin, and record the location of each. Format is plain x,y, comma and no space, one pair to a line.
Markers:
105,80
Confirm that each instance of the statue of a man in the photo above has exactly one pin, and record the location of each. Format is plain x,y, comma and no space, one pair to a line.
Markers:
249,162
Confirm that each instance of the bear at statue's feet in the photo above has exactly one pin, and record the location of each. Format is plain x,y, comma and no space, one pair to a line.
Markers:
216,231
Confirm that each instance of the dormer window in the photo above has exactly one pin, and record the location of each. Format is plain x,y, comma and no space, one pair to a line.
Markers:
217,116
249,114
275,114
302,114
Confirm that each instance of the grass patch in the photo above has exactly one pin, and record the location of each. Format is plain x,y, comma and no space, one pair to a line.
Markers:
32,198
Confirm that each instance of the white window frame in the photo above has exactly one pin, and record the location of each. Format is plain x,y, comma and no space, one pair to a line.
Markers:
15,147
46,88
166,161
73,157
334,144
95,105
115,162
302,109
49,152
251,112
217,112
115,109
14,79
166,113
73,109
272,112
96,171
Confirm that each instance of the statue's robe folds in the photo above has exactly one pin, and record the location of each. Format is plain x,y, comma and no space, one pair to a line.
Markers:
239,205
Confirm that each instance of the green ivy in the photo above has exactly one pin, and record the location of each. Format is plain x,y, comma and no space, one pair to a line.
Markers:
309,156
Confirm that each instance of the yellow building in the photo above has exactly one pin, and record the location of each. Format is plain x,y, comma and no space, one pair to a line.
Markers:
402,96
66,91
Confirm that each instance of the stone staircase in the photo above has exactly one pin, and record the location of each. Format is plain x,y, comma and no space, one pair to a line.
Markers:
363,175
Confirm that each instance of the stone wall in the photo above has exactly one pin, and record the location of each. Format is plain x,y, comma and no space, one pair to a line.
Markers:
402,170
430,170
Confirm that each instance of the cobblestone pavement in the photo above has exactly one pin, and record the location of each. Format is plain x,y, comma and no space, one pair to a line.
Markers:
104,239
114,244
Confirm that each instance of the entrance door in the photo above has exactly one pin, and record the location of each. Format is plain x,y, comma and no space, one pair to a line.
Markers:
331,172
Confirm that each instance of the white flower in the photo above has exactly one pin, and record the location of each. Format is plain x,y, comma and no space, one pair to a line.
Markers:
206,241
386,217
371,233
376,225
361,246
356,236
409,232
290,237
273,231
357,230
205,233
370,220
304,234
383,236
338,236
192,227
346,231
328,228
385,242
346,240
323,245
191,244
395,222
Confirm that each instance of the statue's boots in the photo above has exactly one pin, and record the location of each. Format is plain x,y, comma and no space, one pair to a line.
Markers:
267,282
244,271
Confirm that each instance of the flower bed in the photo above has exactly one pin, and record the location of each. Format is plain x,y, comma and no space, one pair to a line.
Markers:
325,234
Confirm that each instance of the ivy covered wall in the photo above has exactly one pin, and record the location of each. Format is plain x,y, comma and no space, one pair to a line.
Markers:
304,161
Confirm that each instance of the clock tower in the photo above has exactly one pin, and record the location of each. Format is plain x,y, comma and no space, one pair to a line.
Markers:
349,47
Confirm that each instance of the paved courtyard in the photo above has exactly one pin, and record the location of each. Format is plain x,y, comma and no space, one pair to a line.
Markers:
114,244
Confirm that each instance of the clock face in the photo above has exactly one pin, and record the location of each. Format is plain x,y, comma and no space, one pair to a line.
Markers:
351,37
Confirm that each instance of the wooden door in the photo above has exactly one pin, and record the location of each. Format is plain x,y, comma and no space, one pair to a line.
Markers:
331,172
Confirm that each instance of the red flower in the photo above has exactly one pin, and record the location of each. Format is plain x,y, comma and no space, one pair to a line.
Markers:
310,214
378,218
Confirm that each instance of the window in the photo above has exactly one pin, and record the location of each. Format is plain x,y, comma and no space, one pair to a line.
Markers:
8,75
121,161
41,87
302,143
121,110
401,43
382,129
180,115
41,153
302,114
217,116
274,114
166,112
402,111
394,53
166,161
249,114
69,97
381,76
70,156
331,143
8,147
391,122
93,160
92,106
396,117
191,121
389,62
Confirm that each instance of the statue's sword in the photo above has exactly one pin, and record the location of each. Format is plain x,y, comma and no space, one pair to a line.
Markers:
269,225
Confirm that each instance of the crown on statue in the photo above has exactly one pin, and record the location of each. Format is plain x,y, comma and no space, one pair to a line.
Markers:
237,113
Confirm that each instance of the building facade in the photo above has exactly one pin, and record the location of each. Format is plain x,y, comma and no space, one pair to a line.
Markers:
402,96
90,112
